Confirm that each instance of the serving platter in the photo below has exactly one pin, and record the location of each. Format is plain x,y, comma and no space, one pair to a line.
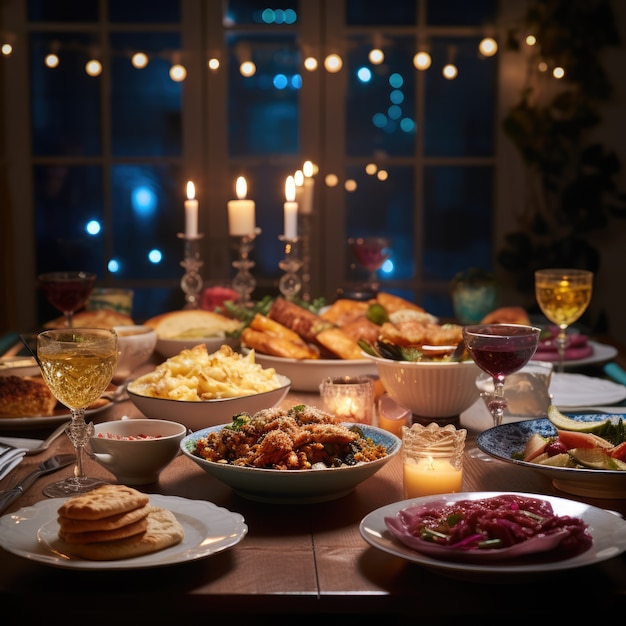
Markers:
607,529
501,442
601,353
32,533
306,375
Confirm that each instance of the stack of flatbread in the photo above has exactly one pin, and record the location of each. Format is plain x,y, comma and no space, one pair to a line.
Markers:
115,522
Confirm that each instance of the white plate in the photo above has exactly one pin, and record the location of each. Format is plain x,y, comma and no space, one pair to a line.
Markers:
569,390
607,529
41,421
31,533
306,375
601,353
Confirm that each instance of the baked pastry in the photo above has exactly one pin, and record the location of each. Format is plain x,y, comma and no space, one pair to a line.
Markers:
507,315
192,324
25,396
98,318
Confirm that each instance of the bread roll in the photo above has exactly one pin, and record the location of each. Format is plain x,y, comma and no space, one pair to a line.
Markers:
192,324
25,397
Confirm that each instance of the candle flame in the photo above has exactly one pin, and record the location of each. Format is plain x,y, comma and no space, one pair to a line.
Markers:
307,168
290,189
298,178
191,191
241,188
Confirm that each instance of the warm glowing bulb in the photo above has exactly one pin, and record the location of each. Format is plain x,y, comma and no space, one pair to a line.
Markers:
331,180
213,64
422,60
450,71
51,60
531,40
333,63
310,64
558,72
488,47
350,185
376,56
543,66
93,67
247,69
139,60
7,49
371,169
382,174
178,73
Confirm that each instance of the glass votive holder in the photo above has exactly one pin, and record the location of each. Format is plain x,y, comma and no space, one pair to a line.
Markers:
350,399
391,416
432,459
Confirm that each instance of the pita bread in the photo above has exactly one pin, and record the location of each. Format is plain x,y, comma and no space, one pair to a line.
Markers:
69,525
97,318
102,502
98,536
163,531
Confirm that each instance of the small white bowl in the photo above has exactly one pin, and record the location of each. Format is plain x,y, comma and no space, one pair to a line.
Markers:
135,345
171,347
432,389
197,415
135,451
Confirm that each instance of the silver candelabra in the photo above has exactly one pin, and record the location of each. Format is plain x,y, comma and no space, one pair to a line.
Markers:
191,282
290,282
244,282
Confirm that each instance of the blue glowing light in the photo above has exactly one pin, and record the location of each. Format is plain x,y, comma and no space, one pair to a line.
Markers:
364,74
93,227
113,266
155,256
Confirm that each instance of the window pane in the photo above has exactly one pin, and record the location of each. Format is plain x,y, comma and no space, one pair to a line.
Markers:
380,103
63,11
240,12
68,202
263,113
147,215
460,12
65,100
377,13
459,113
144,11
143,100
457,224
384,209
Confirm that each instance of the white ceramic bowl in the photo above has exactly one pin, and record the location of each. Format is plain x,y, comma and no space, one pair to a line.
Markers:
135,346
171,347
197,415
294,486
136,461
431,389
306,375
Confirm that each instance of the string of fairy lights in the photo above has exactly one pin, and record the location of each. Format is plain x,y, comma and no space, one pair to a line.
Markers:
332,62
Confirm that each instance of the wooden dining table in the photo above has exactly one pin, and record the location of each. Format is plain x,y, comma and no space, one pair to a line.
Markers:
303,560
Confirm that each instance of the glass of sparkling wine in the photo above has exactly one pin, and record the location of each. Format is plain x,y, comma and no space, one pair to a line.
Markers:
563,295
500,350
77,365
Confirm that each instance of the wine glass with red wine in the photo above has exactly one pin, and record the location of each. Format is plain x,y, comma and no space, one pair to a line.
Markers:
500,350
371,253
68,291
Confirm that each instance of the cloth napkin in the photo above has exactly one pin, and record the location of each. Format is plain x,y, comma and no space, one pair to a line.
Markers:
10,460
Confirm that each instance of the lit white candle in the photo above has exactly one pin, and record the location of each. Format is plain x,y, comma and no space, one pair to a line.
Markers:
291,209
306,206
429,476
241,220
298,178
191,211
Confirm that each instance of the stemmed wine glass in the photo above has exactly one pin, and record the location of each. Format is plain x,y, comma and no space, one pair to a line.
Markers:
563,295
68,291
500,350
77,365
371,253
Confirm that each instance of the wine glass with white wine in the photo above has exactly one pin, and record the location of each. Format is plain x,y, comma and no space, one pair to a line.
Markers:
77,365
563,295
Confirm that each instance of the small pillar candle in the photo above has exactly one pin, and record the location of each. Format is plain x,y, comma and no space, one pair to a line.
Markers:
291,209
432,459
241,218
191,212
308,183
349,399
